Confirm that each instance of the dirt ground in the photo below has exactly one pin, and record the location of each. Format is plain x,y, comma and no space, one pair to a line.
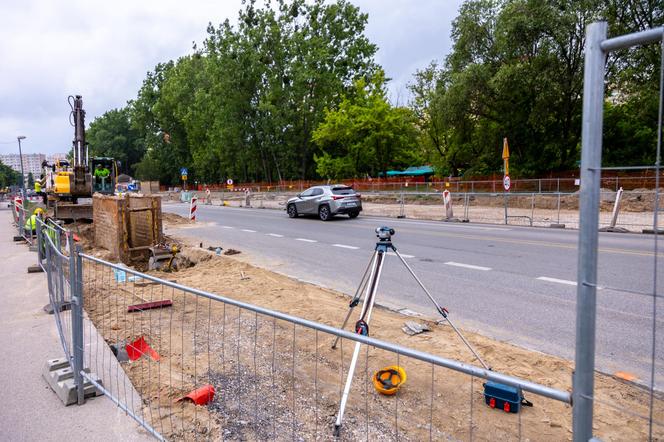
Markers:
276,381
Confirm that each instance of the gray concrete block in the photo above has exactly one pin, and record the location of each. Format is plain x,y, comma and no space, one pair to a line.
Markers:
48,308
60,377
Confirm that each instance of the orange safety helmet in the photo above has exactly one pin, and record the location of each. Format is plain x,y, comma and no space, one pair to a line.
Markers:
388,380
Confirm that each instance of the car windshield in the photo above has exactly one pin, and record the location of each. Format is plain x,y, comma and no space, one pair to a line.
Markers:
343,190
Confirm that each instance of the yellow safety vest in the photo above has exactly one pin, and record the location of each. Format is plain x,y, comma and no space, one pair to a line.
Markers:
31,223
37,186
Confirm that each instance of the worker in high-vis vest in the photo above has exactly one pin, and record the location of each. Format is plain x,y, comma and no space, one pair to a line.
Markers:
31,223
39,186
101,174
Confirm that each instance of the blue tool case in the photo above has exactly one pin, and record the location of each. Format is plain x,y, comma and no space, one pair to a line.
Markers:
504,397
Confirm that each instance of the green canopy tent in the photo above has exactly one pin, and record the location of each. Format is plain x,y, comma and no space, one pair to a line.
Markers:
425,171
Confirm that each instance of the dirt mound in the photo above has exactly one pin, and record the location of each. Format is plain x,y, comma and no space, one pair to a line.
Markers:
173,219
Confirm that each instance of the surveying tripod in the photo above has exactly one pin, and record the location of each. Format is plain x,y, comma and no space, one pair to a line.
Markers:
368,286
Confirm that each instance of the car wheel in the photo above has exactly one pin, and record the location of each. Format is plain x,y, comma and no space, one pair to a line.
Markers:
292,211
324,213
352,215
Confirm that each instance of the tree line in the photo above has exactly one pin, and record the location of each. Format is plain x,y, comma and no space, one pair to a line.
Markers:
293,91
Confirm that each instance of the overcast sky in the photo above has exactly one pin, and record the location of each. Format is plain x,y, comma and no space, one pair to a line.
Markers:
102,50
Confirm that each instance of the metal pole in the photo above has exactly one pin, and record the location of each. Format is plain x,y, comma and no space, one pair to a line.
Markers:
20,159
39,243
367,308
440,309
76,286
591,161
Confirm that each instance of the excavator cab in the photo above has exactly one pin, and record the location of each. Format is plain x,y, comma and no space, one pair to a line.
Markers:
104,175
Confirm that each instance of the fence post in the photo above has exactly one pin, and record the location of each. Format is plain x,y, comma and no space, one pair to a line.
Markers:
21,221
591,161
76,286
39,244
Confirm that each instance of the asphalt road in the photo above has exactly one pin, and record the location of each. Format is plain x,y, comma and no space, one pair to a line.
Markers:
516,284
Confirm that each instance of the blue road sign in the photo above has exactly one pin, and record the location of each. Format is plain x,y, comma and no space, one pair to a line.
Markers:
183,171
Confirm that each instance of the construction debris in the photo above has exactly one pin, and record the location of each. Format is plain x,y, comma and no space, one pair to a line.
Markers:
139,348
149,305
232,252
200,396
412,328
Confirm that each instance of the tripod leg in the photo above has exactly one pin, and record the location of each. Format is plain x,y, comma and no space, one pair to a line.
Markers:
356,297
365,316
441,310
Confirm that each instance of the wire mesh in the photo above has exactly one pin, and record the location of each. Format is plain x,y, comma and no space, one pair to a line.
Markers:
270,377
623,307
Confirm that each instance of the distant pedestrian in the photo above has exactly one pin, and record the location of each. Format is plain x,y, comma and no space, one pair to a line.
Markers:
208,196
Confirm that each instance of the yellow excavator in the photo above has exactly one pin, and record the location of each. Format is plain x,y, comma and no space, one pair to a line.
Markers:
73,184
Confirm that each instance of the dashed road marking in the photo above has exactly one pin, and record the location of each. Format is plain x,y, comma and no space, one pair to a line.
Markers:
249,230
227,227
467,266
556,280
344,246
563,281
403,255
305,240
276,235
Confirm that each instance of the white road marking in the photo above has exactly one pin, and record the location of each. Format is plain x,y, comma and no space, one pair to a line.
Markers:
249,230
227,227
344,246
403,255
563,281
276,235
305,240
388,221
467,266
559,281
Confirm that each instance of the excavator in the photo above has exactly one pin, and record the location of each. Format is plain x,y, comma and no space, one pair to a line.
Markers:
74,184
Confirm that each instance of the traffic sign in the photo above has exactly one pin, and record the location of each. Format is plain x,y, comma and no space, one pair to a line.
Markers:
184,177
506,149
506,182
183,171
229,182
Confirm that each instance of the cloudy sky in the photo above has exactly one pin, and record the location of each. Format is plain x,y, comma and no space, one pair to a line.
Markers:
102,51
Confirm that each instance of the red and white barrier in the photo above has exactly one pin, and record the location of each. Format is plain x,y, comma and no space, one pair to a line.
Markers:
447,200
192,208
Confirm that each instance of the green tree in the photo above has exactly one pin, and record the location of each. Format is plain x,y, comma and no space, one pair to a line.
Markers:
31,181
9,177
245,105
516,71
111,135
365,134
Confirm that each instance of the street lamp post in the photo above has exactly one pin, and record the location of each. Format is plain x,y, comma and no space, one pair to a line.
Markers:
20,158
